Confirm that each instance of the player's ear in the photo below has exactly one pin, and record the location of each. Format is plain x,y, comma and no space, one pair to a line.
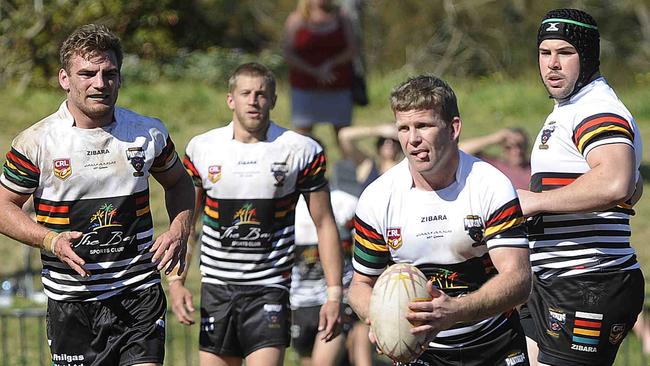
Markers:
64,80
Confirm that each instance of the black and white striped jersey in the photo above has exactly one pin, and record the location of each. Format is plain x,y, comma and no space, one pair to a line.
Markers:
94,181
446,233
576,243
251,193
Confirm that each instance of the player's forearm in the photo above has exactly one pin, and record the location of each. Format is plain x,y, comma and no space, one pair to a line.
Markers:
593,191
359,298
330,253
179,201
501,293
15,224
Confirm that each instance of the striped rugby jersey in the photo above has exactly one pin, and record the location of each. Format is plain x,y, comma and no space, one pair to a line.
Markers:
308,286
251,192
573,244
446,233
94,181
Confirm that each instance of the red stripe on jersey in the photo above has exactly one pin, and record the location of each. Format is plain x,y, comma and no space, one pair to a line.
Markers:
211,203
189,166
557,181
611,119
50,208
586,323
23,163
142,199
367,233
508,212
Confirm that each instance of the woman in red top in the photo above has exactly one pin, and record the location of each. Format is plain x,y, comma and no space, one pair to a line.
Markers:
319,46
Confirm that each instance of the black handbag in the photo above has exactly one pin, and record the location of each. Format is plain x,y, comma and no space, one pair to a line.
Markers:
359,90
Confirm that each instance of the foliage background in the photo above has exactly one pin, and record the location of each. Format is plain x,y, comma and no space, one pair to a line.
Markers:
179,53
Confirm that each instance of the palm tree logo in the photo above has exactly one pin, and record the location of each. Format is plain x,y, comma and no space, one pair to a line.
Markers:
246,215
104,217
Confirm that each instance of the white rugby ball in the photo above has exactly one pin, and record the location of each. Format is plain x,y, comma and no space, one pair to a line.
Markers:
398,285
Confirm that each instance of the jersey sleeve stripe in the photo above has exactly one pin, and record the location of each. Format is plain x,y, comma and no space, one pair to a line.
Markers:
313,176
191,170
600,125
19,180
370,245
495,229
20,160
509,210
211,213
166,158
367,231
370,259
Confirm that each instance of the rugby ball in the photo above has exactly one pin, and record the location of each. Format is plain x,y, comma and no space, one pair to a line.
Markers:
398,285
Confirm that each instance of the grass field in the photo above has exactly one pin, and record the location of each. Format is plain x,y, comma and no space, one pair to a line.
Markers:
188,109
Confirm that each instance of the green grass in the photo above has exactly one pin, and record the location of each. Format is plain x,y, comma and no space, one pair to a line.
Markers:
189,109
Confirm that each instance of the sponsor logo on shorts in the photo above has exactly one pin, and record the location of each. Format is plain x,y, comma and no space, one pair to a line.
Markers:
214,173
617,333
556,321
295,331
207,324
586,331
135,155
64,359
62,168
273,314
413,363
394,237
474,227
515,359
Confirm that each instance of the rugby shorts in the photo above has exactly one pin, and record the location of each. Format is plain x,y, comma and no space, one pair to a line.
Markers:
582,320
304,327
125,329
238,320
506,348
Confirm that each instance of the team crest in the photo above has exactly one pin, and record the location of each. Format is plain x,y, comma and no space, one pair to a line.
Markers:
474,227
273,315
556,322
617,333
546,134
214,173
62,168
394,237
135,155
279,170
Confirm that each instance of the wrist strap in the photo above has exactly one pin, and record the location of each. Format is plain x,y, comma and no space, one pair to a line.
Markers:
48,241
334,293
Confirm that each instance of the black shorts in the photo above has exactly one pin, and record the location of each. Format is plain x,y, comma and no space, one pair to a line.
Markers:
304,327
238,320
125,329
507,348
582,320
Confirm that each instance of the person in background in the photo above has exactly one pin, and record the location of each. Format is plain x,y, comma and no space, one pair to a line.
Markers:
319,47
366,167
588,288
308,285
87,167
248,176
513,162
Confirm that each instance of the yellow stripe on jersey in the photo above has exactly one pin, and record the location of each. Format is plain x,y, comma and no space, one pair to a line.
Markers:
492,230
53,220
587,332
587,136
210,212
370,245
14,168
142,211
